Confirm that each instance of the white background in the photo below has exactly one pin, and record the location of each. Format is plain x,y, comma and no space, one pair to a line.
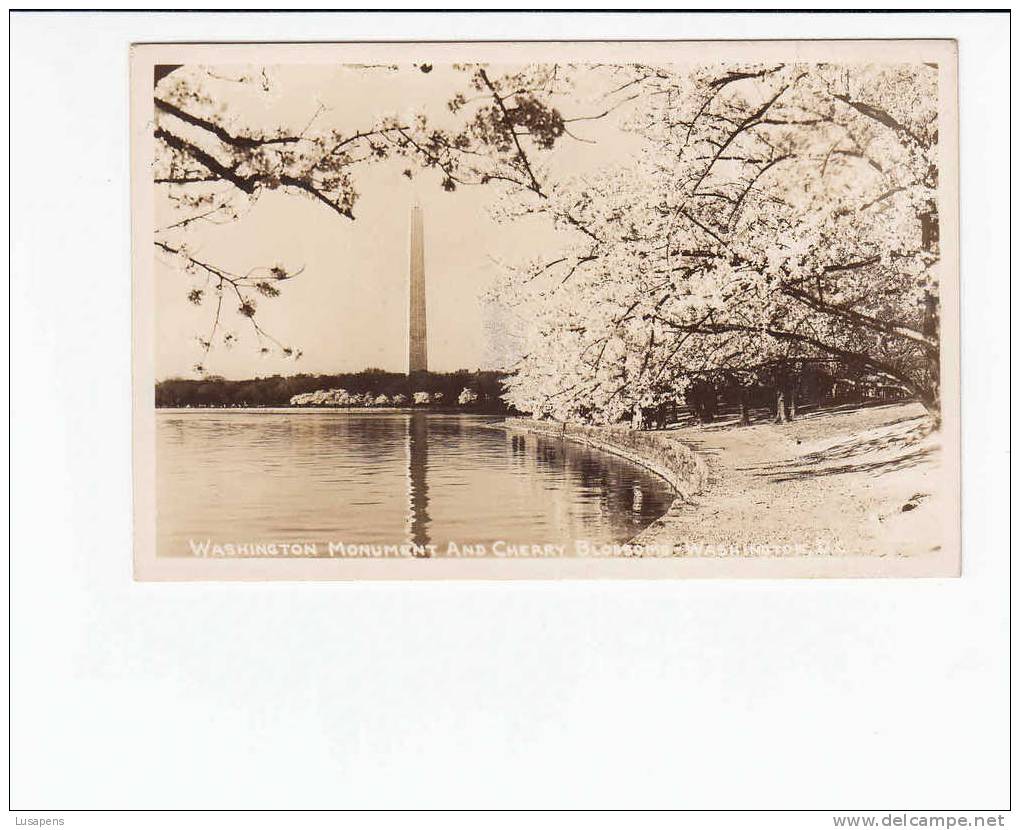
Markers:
830,695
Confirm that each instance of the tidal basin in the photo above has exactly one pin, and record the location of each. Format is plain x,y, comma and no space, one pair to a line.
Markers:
332,483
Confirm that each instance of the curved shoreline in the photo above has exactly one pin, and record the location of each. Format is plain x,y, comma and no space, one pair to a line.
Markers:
679,465
841,483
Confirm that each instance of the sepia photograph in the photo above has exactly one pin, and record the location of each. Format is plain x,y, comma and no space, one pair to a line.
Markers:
487,412
546,310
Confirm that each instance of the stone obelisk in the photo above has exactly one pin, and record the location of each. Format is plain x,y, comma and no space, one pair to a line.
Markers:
417,340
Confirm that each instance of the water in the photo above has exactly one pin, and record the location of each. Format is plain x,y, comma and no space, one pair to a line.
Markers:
321,476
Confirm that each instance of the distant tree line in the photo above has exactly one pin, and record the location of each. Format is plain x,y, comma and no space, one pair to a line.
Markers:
277,390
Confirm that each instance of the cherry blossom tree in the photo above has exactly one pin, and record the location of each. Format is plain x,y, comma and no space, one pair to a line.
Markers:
779,214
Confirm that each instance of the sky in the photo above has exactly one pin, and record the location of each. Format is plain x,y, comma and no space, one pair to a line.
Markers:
347,310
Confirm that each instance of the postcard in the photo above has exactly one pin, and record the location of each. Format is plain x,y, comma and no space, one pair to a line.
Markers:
545,310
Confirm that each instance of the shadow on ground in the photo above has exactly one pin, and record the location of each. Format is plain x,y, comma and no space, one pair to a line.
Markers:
901,445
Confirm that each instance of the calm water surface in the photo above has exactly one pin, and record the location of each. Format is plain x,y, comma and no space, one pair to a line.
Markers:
378,478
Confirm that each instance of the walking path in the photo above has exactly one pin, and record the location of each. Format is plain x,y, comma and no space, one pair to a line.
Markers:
859,482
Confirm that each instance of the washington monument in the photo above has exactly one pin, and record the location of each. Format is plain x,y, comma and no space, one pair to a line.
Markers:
417,340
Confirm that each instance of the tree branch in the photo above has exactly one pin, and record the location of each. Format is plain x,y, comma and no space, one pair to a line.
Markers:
241,142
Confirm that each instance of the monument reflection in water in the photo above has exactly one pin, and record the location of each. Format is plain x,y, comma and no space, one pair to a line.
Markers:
611,496
417,479
328,476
